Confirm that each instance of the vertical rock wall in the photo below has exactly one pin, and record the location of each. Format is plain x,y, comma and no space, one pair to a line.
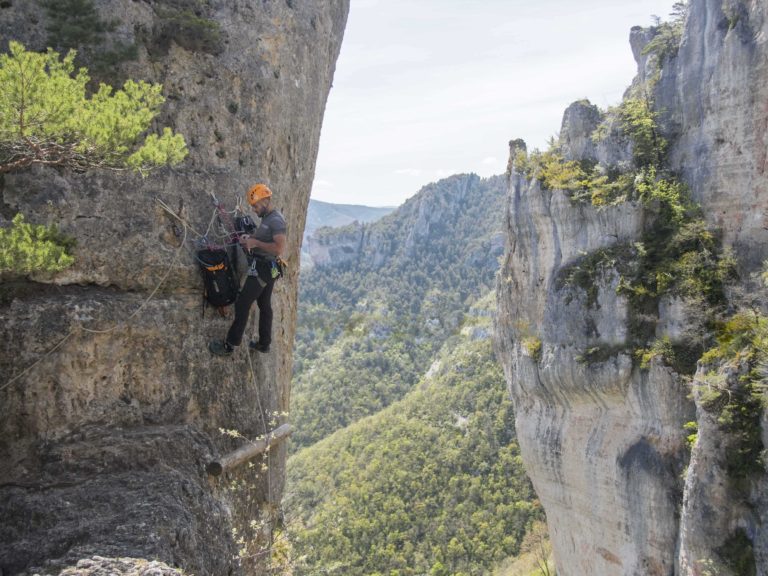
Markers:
603,440
111,402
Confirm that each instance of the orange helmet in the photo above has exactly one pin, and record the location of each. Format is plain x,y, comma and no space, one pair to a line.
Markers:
258,192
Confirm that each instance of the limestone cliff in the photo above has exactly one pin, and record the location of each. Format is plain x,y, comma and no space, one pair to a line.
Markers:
602,437
111,402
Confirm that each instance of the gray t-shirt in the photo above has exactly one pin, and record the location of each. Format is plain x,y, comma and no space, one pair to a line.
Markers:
271,225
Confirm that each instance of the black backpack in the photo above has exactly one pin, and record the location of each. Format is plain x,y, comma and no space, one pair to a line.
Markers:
220,288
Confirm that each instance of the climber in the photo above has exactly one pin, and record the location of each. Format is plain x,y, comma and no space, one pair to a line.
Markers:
264,247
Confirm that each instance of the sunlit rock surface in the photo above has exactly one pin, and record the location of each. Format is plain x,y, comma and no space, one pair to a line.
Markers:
111,402
603,440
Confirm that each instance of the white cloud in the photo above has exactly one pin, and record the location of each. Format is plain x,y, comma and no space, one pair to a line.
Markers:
489,160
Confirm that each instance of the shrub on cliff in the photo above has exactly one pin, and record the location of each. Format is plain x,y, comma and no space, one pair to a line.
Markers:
47,118
666,40
77,24
26,248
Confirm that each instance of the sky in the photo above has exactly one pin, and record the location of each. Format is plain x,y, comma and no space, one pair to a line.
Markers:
428,88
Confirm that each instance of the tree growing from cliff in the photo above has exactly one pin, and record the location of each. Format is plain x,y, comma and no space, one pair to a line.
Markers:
47,118
26,248
666,40
77,24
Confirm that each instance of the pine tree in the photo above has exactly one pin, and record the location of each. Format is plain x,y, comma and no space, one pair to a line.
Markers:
47,118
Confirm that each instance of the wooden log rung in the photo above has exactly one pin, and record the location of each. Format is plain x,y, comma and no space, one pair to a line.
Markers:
248,452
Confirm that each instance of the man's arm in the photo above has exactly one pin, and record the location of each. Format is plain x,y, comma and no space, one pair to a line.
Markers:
275,248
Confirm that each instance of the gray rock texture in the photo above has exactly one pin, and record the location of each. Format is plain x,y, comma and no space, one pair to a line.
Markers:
715,95
580,119
343,244
715,505
112,404
603,440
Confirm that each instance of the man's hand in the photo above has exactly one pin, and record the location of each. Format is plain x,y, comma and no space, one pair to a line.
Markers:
247,242
275,248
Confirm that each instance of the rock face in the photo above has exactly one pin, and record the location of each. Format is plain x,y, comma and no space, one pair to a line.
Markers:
112,404
602,442
717,94
602,439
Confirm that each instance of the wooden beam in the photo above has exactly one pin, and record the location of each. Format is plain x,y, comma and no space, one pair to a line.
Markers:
248,452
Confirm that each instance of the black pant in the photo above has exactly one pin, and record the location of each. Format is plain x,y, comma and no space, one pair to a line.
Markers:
259,290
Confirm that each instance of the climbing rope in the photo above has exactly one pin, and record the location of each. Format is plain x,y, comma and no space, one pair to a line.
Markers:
113,328
263,416
219,212
203,239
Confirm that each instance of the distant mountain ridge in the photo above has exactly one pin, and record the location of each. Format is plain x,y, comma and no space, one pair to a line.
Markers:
321,214
328,214
462,206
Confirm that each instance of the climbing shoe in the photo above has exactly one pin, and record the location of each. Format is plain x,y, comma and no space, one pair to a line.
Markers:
258,346
220,348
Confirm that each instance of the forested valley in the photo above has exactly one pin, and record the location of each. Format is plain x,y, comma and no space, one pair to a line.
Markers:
404,456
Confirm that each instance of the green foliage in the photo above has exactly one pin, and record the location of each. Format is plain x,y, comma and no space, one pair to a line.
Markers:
551,170
586,272
169,148
667,35
738,400
603,186
693,433
46,118
742,336
434,484
532,347
585,181
76,24
639,121
368,328
677,255
660,348
27,248
186,28
535,559
680,258
738,553
599,354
